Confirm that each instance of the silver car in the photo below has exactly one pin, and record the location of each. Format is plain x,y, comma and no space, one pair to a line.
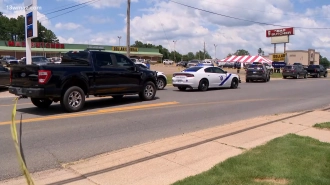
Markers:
192,63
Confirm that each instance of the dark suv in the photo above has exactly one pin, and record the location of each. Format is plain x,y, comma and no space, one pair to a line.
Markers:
294,71
257,72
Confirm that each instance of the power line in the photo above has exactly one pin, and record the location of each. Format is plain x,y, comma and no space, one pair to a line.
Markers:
246,20
93,1
249,9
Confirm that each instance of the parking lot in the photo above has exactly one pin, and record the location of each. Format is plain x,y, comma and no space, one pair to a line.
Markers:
52,137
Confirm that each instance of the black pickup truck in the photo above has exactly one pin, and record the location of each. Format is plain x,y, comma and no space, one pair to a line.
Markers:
317,71
82,73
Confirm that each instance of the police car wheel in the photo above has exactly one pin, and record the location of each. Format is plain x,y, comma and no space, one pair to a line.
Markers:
203,85
160,83
234,83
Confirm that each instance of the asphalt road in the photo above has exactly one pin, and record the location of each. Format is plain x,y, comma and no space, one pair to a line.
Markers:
51,137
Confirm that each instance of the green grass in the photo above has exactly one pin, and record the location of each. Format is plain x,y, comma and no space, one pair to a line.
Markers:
290,159
276,75
169,79
325,125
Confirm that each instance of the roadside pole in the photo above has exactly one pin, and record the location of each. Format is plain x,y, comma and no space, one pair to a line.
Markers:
31,26
128,17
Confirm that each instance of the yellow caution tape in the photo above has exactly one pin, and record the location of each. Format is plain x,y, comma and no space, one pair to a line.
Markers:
15,138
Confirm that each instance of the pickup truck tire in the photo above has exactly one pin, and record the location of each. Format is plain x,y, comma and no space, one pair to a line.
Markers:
41,102
148,92
325,75
73,99
161,83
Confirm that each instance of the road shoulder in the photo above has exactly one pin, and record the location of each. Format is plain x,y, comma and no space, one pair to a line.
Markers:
167,160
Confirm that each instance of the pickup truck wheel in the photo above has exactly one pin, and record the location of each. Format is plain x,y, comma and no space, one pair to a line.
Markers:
41,102
73,99
148,92
161,83
325,75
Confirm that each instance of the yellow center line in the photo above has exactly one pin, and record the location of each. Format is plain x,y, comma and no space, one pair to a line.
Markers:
136,108
88,99
103,111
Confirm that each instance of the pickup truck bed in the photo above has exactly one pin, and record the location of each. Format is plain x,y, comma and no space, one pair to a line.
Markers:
79,75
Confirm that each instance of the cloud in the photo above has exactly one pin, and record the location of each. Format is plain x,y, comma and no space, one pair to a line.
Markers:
105,3
99,20
67,26
167,21
68,41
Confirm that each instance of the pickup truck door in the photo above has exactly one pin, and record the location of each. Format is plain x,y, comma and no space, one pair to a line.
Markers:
106,74
4,76
129,74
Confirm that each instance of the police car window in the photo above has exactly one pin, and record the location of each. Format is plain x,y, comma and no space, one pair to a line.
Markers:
192,69
123,61
208,70
217,70
103,59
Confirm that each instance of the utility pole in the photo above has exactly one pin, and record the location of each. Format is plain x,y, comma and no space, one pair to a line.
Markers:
204,50
215,51
43,42
174,41
119,37
128,27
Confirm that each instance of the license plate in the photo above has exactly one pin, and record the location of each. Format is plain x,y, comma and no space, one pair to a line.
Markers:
181,77
254,71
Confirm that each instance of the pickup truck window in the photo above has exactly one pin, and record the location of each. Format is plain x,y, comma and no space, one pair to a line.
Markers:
103,59
74,57
313,66
123,61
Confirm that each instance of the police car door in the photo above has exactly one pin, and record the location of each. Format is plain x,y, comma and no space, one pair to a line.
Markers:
223,78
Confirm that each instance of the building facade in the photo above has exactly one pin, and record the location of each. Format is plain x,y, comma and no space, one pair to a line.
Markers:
305,57
17,49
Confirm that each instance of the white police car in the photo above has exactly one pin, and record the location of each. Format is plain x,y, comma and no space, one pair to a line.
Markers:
161,77
203,78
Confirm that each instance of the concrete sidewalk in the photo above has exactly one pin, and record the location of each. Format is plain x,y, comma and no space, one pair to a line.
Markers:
167,160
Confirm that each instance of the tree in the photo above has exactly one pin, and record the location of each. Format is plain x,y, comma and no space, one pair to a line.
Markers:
241,52
261,52
13,29
229,55
324,61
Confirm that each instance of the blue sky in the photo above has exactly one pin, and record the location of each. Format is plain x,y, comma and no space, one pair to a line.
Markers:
162,22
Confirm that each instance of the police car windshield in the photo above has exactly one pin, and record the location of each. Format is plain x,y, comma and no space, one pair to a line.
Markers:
192,69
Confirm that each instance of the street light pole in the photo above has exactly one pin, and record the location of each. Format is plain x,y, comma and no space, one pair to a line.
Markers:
174,41
43,43
119,37
128,17
215,51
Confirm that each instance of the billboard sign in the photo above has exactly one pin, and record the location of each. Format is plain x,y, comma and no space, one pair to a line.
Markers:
279,57
280,32
279,39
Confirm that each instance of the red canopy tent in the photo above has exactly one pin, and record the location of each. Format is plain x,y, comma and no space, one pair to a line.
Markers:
246,59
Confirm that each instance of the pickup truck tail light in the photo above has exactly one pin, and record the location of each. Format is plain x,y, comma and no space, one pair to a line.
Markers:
43,76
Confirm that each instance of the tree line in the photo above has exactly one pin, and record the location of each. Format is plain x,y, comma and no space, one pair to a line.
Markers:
13,29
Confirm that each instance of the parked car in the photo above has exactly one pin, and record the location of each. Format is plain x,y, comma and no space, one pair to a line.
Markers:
4,77
317,71
269,67
182,63
257,72
37,60
203,78
294,71
81,74
206,63
161,77
229,65
8,61
168,62
192,63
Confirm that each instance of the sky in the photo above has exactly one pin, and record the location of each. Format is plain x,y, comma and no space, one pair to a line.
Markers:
184,29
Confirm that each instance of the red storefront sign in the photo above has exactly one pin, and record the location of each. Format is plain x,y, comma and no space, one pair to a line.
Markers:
280,32
35,44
